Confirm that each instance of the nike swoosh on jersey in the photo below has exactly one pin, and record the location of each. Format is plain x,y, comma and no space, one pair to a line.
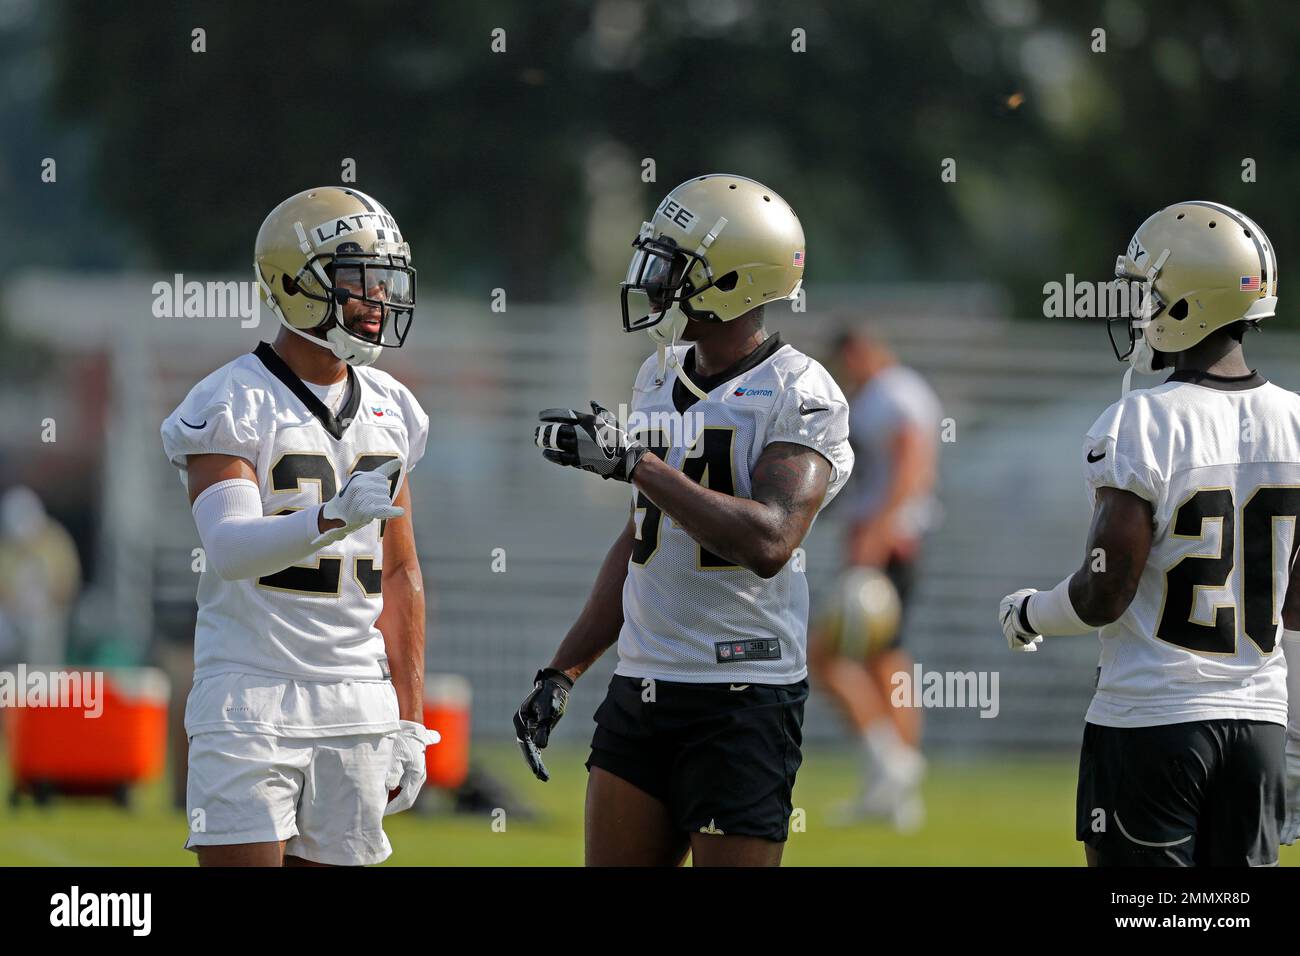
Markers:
1097,459
807,408
188,425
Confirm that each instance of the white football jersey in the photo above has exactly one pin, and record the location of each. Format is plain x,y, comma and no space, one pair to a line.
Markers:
1219,461
690,615
306,635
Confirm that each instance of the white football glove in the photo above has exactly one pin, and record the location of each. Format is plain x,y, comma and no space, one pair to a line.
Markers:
1018,637
365,496
1291,826
406,772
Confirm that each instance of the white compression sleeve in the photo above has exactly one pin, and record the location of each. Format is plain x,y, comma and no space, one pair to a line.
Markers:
240,542
1051,612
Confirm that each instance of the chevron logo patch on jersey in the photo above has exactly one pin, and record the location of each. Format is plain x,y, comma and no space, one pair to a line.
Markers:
755,395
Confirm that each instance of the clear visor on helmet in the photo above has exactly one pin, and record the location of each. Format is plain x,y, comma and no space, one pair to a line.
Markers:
375,300
657,277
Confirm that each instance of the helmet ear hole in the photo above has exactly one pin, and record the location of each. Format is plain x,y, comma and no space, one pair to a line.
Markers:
727,282
1178,310
290,287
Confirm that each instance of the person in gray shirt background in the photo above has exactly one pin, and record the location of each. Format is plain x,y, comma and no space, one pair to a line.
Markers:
856,646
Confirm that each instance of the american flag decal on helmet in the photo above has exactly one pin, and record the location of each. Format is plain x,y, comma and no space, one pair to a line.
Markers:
1250,283
798,258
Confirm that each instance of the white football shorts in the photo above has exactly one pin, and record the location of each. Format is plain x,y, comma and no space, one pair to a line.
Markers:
324,795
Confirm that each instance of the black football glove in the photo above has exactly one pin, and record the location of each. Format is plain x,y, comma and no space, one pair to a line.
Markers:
538,715
593,441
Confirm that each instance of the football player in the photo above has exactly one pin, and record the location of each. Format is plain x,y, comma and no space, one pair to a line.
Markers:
1188,569
737,440
894,429
305,716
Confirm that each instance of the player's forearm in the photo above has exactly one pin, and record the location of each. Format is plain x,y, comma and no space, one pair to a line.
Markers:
746,532
1095,599
1103,588
914,469
325,525
870,540
1115,557
912,476
601,619
402,624
1096,602
240,542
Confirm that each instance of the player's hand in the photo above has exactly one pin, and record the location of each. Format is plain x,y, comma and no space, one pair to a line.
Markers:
364,498
1011,614
594,442
406,772
538,715
1291,826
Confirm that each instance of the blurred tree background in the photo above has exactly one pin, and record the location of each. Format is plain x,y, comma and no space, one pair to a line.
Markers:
522,169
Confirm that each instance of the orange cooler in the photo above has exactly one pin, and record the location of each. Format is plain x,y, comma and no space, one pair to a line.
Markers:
71,747
446,710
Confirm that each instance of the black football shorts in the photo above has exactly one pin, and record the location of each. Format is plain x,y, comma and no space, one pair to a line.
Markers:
721,757
1204,793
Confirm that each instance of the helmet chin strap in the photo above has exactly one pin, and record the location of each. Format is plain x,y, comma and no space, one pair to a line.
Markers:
1142,357
1142,360
664,340
345,347
349,349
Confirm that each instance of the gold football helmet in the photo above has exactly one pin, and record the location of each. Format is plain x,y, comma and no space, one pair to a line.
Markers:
1203,266
717,247
333,267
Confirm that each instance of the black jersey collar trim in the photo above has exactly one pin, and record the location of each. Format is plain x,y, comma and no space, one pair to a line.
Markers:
684,398
1224,383
335,425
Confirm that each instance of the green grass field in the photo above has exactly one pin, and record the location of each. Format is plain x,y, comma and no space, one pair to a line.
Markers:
1008,812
